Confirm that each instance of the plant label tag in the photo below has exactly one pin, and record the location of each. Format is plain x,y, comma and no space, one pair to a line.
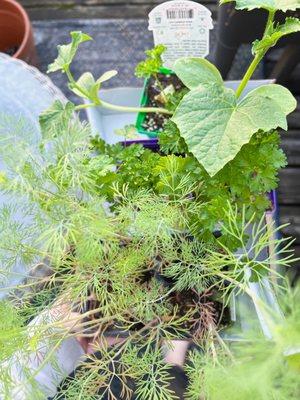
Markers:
183,27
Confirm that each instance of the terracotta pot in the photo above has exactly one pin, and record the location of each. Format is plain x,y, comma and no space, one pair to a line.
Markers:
16,36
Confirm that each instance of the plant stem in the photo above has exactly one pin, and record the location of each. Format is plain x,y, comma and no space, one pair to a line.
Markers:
112,106
257,59
269,21
83,106
252,67
125,109
70,76
135,109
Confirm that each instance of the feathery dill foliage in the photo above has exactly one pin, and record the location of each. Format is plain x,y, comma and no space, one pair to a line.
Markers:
255,369
137,270
110,267
123,241
11,326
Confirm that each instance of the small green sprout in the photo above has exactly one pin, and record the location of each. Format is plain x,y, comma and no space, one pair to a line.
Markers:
128,132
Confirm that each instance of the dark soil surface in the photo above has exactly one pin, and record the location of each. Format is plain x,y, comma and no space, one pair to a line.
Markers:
155,122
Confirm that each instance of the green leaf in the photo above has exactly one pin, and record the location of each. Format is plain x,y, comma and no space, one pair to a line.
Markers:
89,86
170,140
152,64
67,52
107,75
293,358
291,25
271,5
56,116
101,164
128,132
194,72
215,125
3,177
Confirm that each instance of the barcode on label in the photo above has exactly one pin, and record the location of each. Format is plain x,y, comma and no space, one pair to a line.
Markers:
180,14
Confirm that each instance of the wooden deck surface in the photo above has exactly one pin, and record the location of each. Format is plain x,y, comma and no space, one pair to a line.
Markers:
121,44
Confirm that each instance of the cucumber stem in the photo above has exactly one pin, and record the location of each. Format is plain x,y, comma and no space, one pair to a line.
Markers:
113,106
135,109
257,59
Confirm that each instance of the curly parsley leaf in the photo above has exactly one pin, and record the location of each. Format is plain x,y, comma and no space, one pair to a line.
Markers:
152,64
170,140
128,132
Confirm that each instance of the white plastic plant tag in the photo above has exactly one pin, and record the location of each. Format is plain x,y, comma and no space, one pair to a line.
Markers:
183,27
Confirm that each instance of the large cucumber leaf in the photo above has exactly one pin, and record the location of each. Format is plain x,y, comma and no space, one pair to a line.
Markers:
194,72
271,5
215,125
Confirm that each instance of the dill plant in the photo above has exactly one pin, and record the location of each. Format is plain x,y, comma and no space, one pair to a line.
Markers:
142,246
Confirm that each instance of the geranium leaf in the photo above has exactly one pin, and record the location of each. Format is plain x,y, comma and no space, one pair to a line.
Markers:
194,71
271,5
291,25
56,117
67,52
215,125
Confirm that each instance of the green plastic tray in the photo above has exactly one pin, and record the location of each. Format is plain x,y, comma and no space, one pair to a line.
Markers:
144,100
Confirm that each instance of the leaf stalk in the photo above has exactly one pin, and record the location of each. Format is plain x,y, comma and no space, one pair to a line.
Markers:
135,109
257,59
250,71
